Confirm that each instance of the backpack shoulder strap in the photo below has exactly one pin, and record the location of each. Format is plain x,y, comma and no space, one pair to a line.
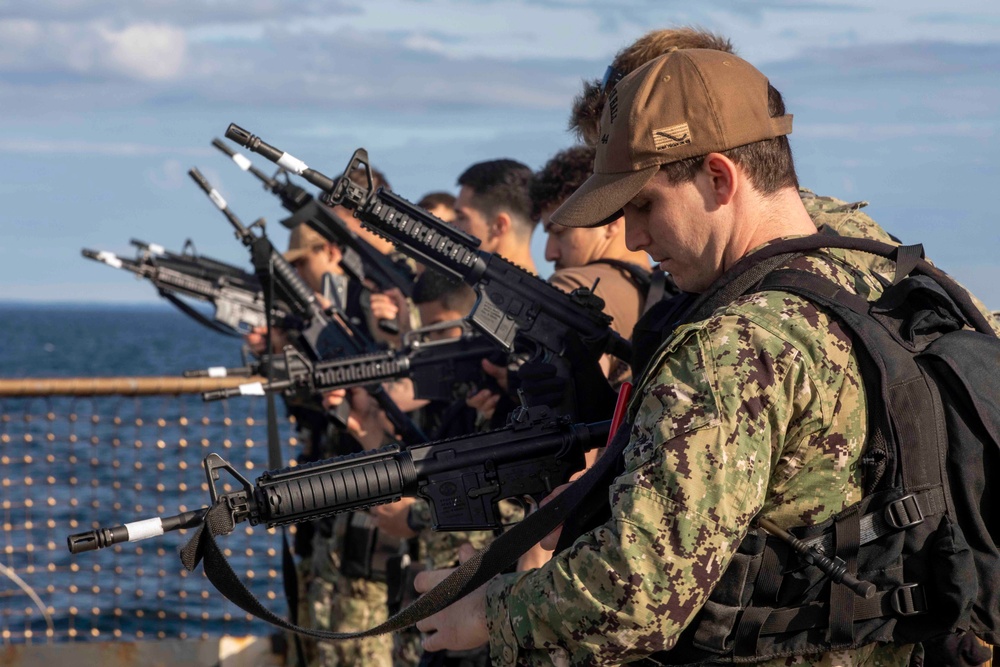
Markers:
638,275
750,270
654,284
906,403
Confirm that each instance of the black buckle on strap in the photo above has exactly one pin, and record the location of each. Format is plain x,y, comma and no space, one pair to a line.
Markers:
904,513
908,600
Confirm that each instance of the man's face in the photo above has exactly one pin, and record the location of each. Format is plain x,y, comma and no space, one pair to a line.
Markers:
318,260
570,247
347,215
675,225
434,312
471,221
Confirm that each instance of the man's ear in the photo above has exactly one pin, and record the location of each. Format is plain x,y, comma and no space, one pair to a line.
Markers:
614,228
501,224
724,177
333,252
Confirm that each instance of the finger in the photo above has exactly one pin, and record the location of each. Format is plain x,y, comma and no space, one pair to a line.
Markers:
466,551
551,541
332,399
428,579
354,426
434,641
478,399
555,492
492,369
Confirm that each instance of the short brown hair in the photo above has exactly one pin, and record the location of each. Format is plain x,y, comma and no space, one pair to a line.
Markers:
451,293
501,185
359,177
768,164
435,199
585,119
560,177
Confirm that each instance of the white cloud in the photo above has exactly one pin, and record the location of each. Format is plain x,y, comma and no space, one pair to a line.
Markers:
119,149
153,52
424,42
884,131
140,51
169,175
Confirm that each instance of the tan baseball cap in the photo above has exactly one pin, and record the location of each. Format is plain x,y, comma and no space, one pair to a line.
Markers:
303,239
686,103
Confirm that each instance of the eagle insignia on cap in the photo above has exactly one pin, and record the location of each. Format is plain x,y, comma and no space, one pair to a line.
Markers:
671,137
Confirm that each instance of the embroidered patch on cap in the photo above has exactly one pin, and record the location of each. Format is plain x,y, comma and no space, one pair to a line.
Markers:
671,137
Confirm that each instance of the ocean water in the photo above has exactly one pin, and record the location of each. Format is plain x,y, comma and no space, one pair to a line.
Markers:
102,340
73,463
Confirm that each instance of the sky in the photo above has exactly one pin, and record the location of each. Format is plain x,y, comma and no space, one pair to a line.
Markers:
105,105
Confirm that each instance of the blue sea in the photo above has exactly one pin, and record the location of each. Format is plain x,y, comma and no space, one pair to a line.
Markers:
70,464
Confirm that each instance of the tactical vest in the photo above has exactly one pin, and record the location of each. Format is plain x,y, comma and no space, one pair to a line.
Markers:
927,529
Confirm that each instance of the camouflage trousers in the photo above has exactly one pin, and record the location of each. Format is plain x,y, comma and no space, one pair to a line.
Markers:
345,604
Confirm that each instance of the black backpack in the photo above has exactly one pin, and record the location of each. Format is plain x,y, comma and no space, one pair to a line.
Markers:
927,532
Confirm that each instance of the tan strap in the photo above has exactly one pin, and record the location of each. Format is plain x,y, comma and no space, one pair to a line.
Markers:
782,125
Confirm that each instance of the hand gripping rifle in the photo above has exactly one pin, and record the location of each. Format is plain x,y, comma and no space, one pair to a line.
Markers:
360,259
321,336
235,294
512,303
440,370
317,337
463,479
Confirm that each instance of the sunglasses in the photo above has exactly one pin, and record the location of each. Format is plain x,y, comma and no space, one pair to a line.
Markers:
612,75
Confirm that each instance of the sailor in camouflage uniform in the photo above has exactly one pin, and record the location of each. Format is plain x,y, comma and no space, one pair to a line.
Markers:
348,589
757,410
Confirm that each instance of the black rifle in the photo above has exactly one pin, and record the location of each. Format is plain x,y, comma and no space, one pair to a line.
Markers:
268,365
440,370
360,259
512,303
235,294
463,479
189,253
322,336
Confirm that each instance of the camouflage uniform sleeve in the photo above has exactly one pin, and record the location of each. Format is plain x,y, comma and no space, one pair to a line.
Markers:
707,429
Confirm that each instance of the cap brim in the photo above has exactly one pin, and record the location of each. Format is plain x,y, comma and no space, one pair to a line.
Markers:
601,197
294,255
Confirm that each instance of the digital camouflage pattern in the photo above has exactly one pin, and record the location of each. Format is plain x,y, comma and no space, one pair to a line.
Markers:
340,603
345,604
439,549
757,409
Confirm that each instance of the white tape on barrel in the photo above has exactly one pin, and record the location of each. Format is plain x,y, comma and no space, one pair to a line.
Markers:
140,530
217,372
156,249
252,389
217,199
242,161
110,259
292,164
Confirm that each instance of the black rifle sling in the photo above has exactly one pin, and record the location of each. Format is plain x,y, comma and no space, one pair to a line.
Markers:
472,574
641,277
751,270
655,285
